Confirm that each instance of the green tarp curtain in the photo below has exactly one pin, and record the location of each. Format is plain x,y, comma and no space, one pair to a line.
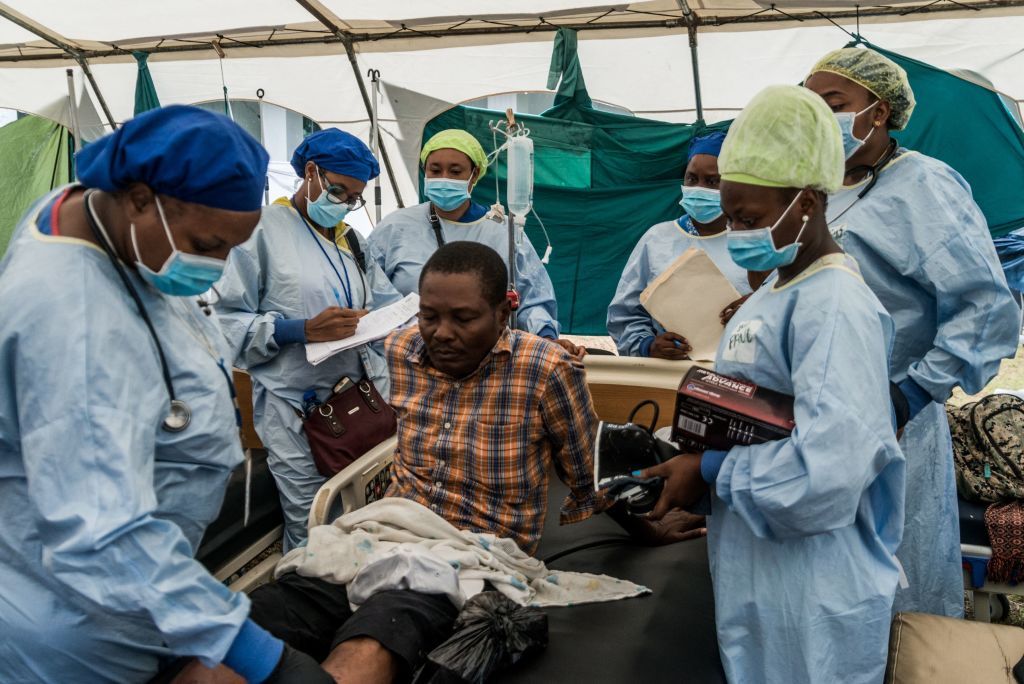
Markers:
969,127
602,179
35,157
145,90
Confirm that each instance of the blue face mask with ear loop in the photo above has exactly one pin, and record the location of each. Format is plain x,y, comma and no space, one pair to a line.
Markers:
323,211
846,120
182,274
447,193
703,205
754,250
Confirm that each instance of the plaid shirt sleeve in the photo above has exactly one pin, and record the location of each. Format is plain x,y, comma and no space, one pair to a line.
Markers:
571,423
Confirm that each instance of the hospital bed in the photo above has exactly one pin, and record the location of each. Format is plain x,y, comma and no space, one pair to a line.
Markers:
668,636
232,540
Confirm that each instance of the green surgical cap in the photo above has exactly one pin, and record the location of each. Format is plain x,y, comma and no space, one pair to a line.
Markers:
786,137
883,77
457,139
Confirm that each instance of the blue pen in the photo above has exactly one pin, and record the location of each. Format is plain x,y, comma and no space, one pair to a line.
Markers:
337,297
679,345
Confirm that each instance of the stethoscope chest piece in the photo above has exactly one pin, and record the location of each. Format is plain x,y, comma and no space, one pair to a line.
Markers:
179,416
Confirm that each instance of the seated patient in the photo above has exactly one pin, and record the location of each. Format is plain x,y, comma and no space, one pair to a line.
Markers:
483,414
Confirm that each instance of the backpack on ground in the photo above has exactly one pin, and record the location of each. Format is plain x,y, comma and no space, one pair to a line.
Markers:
988,448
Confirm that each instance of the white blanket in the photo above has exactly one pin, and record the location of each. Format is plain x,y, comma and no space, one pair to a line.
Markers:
338,552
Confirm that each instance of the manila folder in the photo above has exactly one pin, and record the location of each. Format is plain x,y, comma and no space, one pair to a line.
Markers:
687,299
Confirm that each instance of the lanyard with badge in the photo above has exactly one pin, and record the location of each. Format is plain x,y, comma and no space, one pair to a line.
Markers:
346,284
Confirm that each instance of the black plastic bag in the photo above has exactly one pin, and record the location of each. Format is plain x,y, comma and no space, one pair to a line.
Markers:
491,632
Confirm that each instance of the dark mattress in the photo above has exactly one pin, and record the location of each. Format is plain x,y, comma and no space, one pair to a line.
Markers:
667,636
972,523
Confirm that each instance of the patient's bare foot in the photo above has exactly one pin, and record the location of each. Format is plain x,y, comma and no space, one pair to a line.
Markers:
196,673
361,661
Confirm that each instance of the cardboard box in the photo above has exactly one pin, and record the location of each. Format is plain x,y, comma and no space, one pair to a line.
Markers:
718,412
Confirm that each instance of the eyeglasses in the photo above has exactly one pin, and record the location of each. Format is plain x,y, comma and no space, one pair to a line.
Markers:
339,194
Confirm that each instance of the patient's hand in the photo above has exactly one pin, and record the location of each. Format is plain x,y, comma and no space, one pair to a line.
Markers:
676,526
575,350
684,485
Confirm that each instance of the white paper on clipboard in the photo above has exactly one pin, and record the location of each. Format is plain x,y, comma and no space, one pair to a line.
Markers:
375,325
687,299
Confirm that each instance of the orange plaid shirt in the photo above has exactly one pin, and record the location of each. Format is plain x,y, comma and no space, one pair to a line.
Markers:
477,451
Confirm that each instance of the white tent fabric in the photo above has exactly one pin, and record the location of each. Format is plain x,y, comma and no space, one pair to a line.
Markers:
649,73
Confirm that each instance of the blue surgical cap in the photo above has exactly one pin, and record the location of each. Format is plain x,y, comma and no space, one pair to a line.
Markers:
338,152
706,144
184,152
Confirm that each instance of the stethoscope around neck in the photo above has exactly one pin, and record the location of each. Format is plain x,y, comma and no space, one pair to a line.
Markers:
179,415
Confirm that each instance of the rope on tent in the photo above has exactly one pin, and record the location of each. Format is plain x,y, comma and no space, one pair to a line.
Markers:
223,83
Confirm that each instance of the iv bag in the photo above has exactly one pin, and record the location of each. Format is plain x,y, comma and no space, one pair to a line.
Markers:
520,175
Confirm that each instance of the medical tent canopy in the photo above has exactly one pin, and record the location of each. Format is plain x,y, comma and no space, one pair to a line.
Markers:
312,56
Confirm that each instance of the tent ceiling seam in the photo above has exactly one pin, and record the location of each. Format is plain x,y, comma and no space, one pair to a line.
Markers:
342,35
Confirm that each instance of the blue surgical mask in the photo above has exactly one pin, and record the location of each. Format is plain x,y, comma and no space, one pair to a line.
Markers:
323,211
182,274
701,204
852,143
446,193
754,250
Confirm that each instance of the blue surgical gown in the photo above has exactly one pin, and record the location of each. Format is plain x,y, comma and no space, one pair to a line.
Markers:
629,323
281,272
924,248
404,240
803,530
102,509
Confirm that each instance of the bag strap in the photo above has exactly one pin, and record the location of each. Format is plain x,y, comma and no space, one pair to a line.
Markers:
435,223
357,249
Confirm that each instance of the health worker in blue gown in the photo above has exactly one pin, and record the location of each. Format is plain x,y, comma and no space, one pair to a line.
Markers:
634,330
117,427
924,248
303,277
803,530
453,163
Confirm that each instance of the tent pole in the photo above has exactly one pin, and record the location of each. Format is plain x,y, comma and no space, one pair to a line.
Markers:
73,109
374,75
82,62
691,30
324,16
369,110
49,36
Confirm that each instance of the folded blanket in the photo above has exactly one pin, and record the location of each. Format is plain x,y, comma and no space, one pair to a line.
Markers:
1005,523
337,552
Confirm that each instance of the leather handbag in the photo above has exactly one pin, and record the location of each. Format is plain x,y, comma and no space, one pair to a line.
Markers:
353,420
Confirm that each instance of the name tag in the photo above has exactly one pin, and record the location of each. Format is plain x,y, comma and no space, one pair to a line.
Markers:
742,344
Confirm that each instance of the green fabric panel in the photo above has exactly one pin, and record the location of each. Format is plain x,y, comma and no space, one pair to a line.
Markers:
968,127
34,159
145,89
565,71
635,169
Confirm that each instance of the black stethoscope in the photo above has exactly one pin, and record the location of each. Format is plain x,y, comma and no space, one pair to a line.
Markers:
872,170
179,414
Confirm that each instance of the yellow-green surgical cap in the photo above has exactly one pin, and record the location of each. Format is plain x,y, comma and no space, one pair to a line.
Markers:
457,139
786,137
883,77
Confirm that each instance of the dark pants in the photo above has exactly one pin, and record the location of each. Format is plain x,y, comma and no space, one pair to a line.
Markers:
313,615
